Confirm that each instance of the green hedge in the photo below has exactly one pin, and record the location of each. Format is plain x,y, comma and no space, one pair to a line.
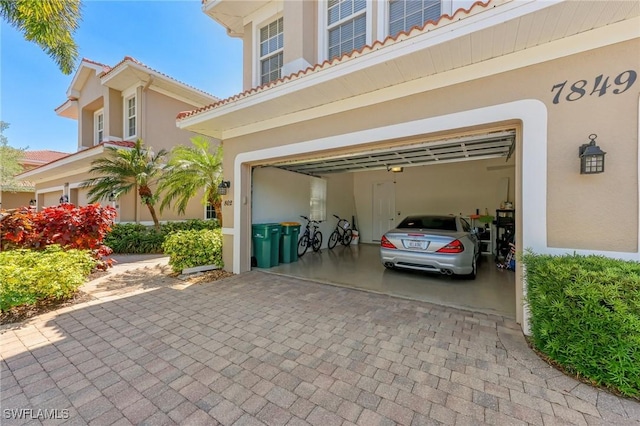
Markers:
187,249
585,314
137,239
27,276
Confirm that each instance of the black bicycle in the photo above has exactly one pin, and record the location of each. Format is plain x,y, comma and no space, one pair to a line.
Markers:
343,233
311,237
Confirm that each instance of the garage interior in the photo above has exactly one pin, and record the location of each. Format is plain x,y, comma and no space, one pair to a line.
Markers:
378,188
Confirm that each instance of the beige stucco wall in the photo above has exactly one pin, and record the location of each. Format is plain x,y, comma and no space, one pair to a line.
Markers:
247,57
160,131
13,200
129,207
90,100
300,41
113,114
575,203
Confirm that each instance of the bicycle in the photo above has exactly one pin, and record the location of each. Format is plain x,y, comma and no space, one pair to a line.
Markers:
311,237
343,233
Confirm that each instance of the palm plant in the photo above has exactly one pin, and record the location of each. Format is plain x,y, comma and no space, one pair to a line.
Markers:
49,24
189,170
123,170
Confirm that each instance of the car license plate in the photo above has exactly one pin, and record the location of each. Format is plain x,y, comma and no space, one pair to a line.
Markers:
415,244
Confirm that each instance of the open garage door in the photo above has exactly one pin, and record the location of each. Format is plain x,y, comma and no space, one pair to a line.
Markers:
478,147
456,175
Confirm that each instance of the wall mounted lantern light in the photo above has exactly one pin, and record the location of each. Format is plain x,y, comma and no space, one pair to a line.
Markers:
32,203
223,187
591,157
64,199
112,197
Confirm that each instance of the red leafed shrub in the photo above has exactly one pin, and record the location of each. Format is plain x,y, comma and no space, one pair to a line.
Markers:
71,227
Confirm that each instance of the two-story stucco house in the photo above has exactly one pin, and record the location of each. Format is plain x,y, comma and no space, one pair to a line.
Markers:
115,106
480,104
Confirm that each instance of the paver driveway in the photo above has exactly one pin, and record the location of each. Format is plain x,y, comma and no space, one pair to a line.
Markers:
259,348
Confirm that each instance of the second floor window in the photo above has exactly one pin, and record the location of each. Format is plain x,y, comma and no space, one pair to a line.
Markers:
271,51
406,14
347,26
130,122
99,126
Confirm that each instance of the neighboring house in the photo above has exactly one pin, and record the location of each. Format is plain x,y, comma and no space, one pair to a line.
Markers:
343,91
22,193
115,106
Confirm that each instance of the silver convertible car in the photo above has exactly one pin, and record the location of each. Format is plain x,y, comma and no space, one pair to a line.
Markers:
432,243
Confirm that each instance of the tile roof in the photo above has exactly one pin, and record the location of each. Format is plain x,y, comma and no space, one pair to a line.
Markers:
43,156
137,62
106,69
125,144
412,32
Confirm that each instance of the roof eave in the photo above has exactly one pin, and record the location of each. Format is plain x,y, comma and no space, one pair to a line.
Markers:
110,79
69,109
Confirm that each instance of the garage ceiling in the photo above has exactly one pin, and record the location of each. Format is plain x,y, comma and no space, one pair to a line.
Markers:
477,147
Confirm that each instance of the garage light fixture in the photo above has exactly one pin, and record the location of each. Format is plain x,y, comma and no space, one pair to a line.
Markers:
32,203
591,157
112,197
223,187
395,169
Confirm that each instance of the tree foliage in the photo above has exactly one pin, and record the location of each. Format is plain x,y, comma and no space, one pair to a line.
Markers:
10,160
48,23
126,169
192,169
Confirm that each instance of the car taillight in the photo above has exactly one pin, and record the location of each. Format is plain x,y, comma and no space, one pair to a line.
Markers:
384,242
454,246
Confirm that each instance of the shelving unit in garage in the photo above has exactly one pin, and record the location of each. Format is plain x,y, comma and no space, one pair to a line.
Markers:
505,228
486,234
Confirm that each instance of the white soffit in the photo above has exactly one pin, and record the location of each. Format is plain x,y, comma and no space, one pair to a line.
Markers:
476,147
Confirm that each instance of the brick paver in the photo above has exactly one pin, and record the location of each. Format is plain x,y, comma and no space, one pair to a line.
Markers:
260,349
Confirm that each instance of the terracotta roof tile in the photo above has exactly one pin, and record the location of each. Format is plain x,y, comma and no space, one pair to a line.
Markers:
414,31
105,67
43,156
125,144
137,62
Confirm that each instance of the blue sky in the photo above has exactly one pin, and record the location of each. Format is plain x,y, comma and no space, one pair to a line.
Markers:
172,37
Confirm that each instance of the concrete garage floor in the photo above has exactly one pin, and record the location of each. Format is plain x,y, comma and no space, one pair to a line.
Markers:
358,266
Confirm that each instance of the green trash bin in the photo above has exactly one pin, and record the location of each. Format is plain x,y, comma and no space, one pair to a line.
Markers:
274,231
289,242
263,245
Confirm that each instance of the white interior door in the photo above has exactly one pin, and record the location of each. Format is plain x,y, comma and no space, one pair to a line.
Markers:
384,208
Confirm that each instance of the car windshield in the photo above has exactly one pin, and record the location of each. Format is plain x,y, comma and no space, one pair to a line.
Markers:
440,223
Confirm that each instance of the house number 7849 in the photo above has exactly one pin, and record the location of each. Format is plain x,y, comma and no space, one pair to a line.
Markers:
577,90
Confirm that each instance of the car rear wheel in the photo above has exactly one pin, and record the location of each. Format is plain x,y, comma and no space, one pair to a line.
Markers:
474,269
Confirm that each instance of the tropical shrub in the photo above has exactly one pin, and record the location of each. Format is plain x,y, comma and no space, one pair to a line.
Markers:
66,225
136,238
585,315
187,249
27,276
